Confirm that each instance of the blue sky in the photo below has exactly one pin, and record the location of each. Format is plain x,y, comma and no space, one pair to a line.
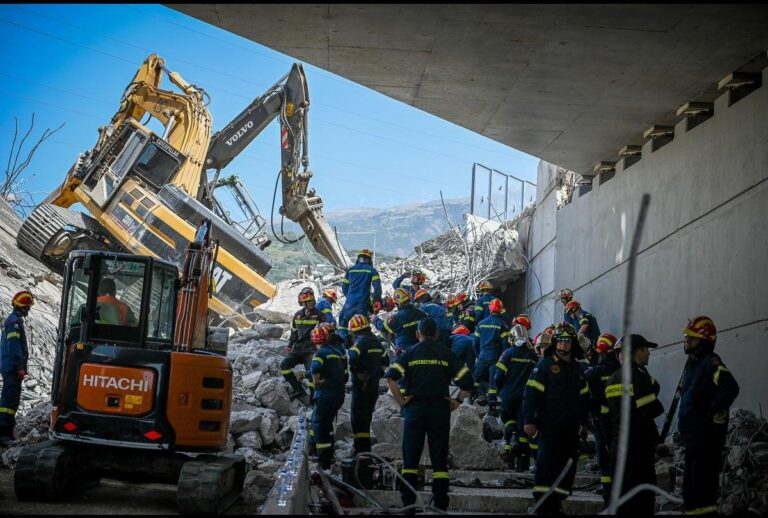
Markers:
71,63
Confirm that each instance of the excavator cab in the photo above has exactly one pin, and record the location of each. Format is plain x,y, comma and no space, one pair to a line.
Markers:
126,400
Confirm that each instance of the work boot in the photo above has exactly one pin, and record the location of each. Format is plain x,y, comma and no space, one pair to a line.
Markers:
482,400
523,463
509,459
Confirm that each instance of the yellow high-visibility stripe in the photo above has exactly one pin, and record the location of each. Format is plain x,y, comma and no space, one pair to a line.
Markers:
307,322
462,372
322,445
511,421
14,334
489,326
504,334
523,440
375,278
428,362
617,390
386,326
440,474
373,350
286,371
492,391
5,410
585,390
715,379
645,400
605,480
501,366
354,348
411,324
535,384
562,491
604,378
533,446
703,510
327,310
604,409
362,435
398,368
522,360
359,271
409,471
507,446
318,359
336,356
540,489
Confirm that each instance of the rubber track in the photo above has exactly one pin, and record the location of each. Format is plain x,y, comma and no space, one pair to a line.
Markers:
44,222
209,485
50,471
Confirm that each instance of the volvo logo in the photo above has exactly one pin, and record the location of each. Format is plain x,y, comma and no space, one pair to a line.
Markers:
242,131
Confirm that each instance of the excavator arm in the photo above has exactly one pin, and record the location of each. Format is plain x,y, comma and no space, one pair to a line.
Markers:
288,100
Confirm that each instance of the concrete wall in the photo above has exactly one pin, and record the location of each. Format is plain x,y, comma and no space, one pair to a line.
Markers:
704,249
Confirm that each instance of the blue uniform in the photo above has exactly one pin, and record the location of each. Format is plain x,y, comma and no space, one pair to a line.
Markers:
326,307
492,333
512,371
427,370
13,357
463,346
438,314
401,328
593,331
556,399
356,286
410,288
707,392
597,377
330,362
300,342
367,359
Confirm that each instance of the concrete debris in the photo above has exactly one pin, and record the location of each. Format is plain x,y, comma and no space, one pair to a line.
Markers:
744,481
388,430
469,449
492,428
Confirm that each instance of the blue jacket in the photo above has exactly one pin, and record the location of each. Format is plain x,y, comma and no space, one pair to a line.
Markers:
367,358
512,372
556,395
463,346
330,361
13,345
482,311
325,306
438,313
593,332
402,325
492,333
357,285
707,392
397,282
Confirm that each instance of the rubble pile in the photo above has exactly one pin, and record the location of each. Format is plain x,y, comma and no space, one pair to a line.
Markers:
744,480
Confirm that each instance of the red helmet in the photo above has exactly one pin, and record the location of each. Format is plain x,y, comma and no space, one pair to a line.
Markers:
420,294
328,327
605,343
572,306
357,323
701,327
460,298
319,335
330,294
306,295
523,321
565,295
460,330
450,303
401,296
23,299
418,278
495,306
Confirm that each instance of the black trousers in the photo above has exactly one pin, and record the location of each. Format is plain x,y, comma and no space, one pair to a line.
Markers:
640,469
364,397
327,405
9,403
300,354
703,462
430,418
556,446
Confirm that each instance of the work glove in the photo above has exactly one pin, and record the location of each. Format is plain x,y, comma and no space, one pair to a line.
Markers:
21,373
376,306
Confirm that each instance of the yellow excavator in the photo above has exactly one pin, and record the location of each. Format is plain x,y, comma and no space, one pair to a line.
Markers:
147,193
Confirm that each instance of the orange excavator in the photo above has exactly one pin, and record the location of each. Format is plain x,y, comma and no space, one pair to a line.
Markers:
142,388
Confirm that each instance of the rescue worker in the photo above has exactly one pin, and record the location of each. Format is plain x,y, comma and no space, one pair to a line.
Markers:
436,312
428,370
512,372
417,279
491,337
463,346
484,298
597,376
643,435
401,326
587,326
565,297
110,309
523,321
367,360
14,356
300,348
555,402
326,305
356,286
329,375
455,308
708,390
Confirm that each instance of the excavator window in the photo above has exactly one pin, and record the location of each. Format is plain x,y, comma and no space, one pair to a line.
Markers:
78,293
156,165
162,304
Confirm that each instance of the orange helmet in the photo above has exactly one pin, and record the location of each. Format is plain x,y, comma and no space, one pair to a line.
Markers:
523,321
605,343
450,303
484,286
572,306
365,252
420,294
357,323
23,299
319,335
495,306
401,296
418,278
701,327
459,298
565,295
460,330
331,294
306,295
